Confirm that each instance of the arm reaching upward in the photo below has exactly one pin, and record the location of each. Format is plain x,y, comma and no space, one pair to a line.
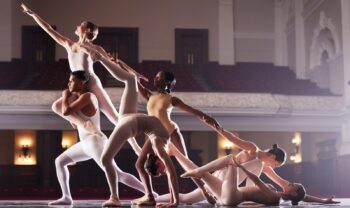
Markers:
60,39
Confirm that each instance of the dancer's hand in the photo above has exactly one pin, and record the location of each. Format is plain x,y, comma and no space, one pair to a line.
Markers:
27,10
66,93
210,121
236,161
331,201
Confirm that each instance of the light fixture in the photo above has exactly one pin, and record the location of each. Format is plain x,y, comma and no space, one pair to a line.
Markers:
296,155
24,153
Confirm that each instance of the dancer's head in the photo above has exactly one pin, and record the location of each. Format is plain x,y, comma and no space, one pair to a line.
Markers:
165,80
276,156
154,166
87,30
77,81
294,192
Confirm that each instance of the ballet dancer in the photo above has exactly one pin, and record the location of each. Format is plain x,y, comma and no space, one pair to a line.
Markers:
77,99
256,161
78,60
160,104
130,125
270,159
226,190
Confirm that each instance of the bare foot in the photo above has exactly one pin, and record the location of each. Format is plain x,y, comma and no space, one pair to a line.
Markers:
112,202
144,201
90,127
62,201
192,174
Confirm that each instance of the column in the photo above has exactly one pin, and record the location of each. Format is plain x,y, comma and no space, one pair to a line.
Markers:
226,36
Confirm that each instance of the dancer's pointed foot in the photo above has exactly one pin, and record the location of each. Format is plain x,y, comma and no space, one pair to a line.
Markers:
144,201
64,200
112,202
90,127
192,174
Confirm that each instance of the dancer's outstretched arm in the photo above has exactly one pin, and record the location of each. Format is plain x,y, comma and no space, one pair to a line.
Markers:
284,183
245,145
60,39
200,115
145,92
158,146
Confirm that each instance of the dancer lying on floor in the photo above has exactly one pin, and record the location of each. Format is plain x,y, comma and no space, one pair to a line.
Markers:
76,99
131,124
161,103
226,190
254,160
271,159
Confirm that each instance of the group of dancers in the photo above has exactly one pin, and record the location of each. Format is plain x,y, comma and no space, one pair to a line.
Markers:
218,181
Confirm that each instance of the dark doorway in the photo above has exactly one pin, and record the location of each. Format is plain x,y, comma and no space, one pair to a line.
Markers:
120,41
37,45
191,47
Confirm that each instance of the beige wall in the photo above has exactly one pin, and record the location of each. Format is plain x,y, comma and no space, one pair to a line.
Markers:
5,30
254,30
156,20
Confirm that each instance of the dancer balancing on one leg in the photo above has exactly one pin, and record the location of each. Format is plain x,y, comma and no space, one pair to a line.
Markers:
76,99
226,190
160,105
78,60
131,124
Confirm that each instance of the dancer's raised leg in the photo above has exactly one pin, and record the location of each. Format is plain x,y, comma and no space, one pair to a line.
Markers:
210,167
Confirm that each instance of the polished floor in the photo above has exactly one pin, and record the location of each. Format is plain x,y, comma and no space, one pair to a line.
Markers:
97,203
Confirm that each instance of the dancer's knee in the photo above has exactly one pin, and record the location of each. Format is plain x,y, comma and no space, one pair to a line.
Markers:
106,161
60,162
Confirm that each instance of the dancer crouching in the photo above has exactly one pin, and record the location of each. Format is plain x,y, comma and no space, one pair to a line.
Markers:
76,100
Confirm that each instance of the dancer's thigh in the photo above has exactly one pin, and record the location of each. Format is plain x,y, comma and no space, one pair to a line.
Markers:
229,193
77,153
121,133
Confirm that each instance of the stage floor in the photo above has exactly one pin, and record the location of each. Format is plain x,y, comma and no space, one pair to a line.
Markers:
97,203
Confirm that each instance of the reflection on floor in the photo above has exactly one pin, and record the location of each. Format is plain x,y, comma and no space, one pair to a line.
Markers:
97,203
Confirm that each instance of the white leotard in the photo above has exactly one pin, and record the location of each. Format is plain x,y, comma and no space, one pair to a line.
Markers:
78,60
91,144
